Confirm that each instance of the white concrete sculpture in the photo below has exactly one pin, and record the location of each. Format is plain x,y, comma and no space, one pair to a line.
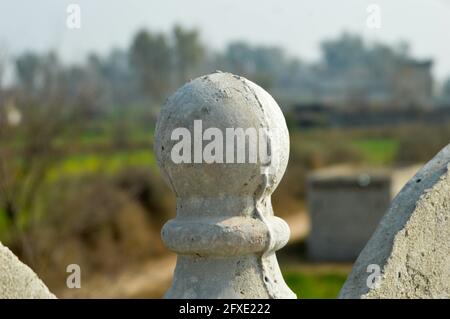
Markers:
225,233
18,281
408,256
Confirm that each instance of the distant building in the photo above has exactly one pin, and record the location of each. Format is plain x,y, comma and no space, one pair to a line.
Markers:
345,207
413,84
405,83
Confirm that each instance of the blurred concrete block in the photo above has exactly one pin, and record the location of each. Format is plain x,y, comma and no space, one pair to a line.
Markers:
345,206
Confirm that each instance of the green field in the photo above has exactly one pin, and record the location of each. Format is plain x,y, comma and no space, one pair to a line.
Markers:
310,285
109,163
377,151
3,224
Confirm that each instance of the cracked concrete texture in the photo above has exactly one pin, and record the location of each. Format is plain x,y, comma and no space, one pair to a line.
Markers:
412,242
18,281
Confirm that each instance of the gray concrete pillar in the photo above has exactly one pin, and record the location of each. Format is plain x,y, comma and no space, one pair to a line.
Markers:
225,232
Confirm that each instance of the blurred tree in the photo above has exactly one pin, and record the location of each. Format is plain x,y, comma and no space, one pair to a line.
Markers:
150,56
27,70
354,72
446,88
238,58
30,147
3,61
82,85
264,65
38,74
188,52
343,53
121,83
23,166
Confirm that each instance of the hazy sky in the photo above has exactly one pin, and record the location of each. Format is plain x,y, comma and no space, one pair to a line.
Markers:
298,26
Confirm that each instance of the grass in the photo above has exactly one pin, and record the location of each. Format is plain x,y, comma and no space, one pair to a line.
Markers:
377,151
3,224
110,163
310,285
78,165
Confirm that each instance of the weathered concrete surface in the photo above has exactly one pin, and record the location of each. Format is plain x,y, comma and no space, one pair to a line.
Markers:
18,281
225,233
412,242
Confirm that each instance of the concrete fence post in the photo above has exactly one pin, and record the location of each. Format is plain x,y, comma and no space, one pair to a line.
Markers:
225,232
18,281
408,255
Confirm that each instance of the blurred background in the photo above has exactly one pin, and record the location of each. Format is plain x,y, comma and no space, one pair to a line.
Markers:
364,87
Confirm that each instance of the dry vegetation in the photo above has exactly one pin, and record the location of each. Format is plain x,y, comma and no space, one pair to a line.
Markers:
102,203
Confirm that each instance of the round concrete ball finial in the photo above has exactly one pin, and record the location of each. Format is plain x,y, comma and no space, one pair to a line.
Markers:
222,145
219,100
